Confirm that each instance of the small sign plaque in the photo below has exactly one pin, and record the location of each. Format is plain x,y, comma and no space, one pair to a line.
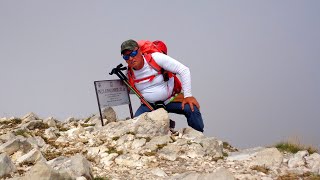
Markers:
112,93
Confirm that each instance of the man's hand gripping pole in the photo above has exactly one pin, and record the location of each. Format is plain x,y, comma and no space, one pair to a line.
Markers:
118,71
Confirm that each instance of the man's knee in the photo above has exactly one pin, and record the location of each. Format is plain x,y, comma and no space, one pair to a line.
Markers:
142,109
194,118
187,109
199,126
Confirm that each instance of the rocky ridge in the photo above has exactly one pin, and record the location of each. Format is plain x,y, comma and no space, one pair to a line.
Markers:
139,148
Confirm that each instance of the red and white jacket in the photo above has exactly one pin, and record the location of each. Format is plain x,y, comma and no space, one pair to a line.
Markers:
151,84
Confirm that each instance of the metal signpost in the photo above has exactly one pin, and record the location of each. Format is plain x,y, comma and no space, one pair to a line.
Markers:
112,93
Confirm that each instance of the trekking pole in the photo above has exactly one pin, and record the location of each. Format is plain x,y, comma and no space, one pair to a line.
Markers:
118,71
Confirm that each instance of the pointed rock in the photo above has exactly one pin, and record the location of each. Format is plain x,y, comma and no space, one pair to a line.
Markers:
8,136
6,166
51,122
32,156
44,172
190,133
170,152
130,160
75,166
158,172
313,162
109,114
10,147
268,157
155,123
30,116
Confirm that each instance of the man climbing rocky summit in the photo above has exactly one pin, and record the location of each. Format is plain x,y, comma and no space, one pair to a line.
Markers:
153,74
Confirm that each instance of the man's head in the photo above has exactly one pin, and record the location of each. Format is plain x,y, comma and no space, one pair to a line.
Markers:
128,45
131,53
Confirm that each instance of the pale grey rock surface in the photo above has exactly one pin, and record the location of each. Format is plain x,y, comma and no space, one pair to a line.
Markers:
6,137
6,165
74,166
36,141
269,157
10,146
313,162
44,172
139,148
109,114
298,159
51,122
32,156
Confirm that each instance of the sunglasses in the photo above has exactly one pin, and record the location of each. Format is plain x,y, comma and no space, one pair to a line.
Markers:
132,54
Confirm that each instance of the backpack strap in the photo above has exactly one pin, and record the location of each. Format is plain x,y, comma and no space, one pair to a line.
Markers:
149,78
152,62
157,67
166,74
132,78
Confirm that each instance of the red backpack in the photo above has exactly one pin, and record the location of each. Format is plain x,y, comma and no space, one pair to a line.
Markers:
147,48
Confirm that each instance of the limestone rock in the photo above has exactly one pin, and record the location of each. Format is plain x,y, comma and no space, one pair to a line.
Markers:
268,157
75,166
298,159
44,172
34,124
36,141
109,114
30,116
116,129
186,176
169,152
70,119
130,160
190,133
155,123
25,146
193,150
75,132
6,165
80,166
62,141
158,172
50,134
313,162
219,174
31,157
124,142
108,160
6,137
212,146
96,120
155,142
138,143
244,155
51,122
138,148
10,147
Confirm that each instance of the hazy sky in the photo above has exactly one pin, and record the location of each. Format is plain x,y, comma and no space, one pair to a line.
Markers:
255,65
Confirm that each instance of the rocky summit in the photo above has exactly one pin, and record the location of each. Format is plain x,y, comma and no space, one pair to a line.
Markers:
139,148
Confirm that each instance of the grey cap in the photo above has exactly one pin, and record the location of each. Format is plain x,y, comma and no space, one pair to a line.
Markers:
129,45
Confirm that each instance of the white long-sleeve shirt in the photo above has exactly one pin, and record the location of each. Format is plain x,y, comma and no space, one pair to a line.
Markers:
158,89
